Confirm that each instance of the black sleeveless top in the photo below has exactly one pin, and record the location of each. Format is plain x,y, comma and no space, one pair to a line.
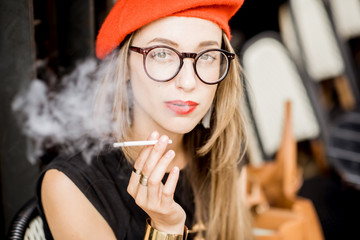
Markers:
104,182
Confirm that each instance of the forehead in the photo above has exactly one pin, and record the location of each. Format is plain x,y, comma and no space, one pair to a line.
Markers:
186,32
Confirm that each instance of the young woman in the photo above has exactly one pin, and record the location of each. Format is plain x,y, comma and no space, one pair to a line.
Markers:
175,78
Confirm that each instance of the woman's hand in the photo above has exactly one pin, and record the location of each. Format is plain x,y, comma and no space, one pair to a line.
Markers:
157,199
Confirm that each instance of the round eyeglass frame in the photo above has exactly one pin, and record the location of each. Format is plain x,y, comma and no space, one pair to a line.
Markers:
145,51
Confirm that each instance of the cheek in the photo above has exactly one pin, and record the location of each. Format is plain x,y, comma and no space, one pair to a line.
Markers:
207,100
211,94
137,78
136,70
139,89
144,90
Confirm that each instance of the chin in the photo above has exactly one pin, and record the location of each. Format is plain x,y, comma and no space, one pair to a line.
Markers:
181,128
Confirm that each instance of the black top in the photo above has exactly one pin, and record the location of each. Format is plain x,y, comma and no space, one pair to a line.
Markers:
104,182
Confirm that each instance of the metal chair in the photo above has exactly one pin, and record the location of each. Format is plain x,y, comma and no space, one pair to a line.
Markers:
27,224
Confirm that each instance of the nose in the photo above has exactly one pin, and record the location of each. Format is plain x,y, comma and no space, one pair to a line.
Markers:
186,79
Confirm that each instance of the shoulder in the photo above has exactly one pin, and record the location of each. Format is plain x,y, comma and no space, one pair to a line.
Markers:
83,170
58,188
71,185
105,175
55,180
69,213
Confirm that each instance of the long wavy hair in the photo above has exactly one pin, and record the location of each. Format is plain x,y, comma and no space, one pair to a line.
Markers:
214,172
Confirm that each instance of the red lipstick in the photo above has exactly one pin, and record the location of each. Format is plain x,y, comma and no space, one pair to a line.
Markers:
181,107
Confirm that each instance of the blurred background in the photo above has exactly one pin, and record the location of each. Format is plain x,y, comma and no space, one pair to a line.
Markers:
306,51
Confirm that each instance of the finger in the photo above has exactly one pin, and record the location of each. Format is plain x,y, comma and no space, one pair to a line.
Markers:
151,162
145,152
167,196
155,155
154,182
138,165
133,183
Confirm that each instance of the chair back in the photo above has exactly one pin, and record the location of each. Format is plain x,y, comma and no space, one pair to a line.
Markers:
321,52
27,224
273,79
346,15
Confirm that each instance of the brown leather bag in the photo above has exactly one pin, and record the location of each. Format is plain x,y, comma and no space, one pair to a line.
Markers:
272,195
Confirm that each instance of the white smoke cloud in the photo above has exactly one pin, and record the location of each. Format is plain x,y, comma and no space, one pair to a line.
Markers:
63,116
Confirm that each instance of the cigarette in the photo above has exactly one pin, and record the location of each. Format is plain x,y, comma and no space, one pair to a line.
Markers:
136,143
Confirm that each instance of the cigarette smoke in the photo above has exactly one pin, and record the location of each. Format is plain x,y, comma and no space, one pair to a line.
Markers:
63,116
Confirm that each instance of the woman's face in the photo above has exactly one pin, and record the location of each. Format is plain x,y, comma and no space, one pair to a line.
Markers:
175,106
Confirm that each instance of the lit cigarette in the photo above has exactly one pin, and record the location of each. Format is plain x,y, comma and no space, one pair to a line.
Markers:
136,143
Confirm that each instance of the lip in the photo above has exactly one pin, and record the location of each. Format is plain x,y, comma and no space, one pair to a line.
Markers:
181,107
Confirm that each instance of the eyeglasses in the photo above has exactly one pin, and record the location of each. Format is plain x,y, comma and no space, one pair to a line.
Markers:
163,63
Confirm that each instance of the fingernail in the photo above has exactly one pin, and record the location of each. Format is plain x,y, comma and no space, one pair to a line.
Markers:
170,154
163,139
175,169
154,135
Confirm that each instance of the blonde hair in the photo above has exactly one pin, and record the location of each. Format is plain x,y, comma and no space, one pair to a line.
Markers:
215,175
214,171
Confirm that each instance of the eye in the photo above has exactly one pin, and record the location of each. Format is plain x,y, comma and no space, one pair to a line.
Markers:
208,57
162,54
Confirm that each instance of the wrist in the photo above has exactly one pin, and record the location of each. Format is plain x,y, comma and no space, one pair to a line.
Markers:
154,234
167,227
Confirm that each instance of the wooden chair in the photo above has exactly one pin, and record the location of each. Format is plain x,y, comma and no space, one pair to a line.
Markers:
273,79
278,213
321,53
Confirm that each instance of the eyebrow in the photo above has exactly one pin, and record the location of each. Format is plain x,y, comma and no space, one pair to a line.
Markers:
165,41
171,43
209,43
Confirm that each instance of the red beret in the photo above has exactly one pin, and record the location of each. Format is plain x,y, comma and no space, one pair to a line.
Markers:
127,16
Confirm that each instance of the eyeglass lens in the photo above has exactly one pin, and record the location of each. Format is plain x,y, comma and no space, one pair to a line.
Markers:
163,64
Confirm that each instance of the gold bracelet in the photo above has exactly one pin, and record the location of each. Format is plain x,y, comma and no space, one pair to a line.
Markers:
153,234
